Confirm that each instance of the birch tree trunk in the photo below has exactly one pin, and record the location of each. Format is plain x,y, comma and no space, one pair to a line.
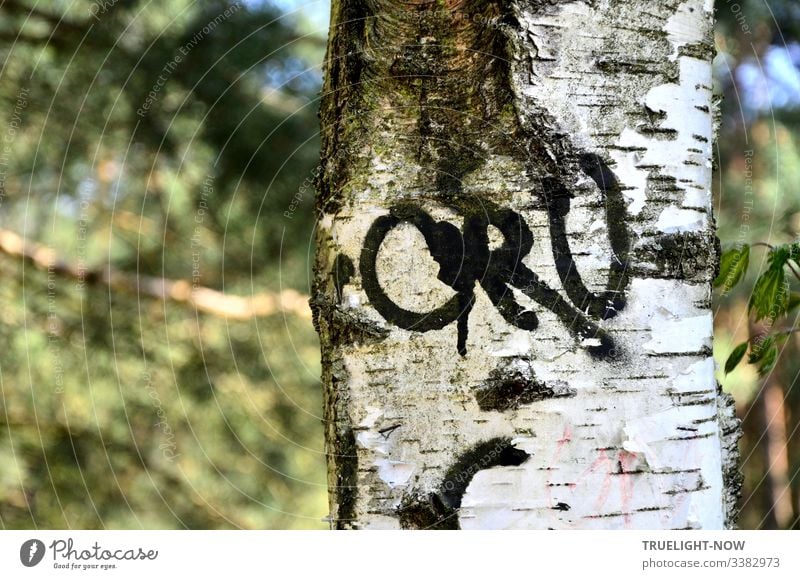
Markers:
514,255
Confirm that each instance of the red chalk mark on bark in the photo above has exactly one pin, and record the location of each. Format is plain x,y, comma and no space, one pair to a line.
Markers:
566,437
626,460
605,487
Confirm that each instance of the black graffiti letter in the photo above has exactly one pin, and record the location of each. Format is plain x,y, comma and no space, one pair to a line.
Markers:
506,269
606,304
447,248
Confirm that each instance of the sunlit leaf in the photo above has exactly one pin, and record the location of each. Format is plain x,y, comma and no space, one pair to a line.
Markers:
735,357
732,267
770,297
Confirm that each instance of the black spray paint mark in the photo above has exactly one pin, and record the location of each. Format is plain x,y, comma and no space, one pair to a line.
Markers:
440,510
465,258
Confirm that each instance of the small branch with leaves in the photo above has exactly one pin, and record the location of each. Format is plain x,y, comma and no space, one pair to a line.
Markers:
771,298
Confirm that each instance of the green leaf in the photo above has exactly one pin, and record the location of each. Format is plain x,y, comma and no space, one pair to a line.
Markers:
794,252
735,357
768,361
758,351
770,297
732,267
794,301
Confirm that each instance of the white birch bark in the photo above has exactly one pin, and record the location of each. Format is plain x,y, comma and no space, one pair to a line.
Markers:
536,178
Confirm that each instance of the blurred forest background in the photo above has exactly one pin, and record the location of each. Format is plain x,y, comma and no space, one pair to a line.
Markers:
757,200
159,367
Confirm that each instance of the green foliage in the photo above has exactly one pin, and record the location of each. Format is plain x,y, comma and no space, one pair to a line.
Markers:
122,411
764,354
732,267
768,360
756,182
735,357
770,297
761,348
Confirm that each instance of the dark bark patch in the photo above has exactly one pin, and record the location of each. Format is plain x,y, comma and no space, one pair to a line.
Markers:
616,66
346,327
687,255
342,272
508,389
427,513
346,473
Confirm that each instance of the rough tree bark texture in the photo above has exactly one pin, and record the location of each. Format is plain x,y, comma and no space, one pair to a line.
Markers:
515,250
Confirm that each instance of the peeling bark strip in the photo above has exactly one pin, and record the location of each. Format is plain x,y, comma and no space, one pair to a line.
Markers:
514,256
